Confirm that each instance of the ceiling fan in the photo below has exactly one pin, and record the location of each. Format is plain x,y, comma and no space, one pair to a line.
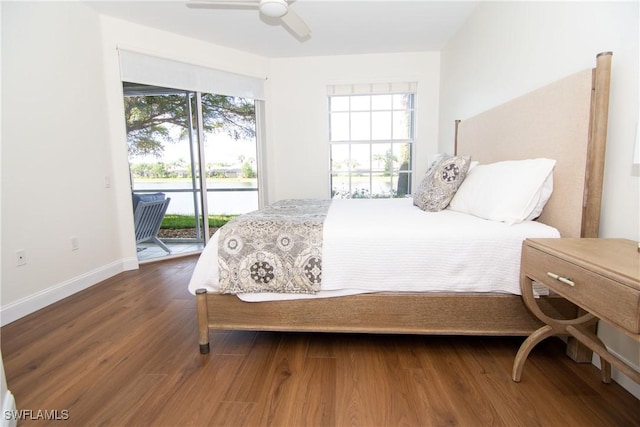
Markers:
277,9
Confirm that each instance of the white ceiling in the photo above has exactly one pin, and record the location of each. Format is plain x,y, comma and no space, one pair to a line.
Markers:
337,27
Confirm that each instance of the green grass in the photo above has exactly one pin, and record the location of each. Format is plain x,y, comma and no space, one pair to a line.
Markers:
174,221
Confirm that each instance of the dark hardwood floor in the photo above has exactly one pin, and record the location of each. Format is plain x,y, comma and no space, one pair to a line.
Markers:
125,353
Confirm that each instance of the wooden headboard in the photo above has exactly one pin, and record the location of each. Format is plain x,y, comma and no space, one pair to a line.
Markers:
565,121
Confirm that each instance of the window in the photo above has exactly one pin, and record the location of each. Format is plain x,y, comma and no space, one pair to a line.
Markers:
371,142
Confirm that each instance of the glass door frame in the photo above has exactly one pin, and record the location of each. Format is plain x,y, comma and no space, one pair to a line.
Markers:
204,202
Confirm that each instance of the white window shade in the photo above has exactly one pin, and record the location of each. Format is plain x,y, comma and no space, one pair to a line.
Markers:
152,70
371,88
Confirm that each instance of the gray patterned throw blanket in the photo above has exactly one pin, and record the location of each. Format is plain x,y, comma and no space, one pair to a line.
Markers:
274,249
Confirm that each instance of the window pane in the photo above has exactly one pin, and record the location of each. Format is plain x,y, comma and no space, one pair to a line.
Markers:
381,102
339,157
381,125
361,103
401,124
340,186
402,153
381,185
339,126
402,101
360,186
360,126
402,184
382,157
339,103
360,157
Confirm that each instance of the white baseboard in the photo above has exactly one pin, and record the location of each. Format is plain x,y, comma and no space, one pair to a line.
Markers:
130,264
24,306
624,381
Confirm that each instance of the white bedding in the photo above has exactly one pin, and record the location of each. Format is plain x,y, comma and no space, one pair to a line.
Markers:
389,245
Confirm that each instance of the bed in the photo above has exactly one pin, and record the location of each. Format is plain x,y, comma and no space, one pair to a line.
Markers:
565,121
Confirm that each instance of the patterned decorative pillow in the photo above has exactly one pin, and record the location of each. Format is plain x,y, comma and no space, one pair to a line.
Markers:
441,182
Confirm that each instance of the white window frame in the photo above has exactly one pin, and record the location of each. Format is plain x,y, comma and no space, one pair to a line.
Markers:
369,90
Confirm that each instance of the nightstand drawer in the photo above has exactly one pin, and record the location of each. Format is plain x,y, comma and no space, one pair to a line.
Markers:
606,298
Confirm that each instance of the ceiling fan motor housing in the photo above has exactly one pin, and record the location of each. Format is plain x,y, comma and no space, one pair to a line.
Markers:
274,8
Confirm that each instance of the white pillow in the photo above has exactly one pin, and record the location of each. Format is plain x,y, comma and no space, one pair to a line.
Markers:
472,165
544,195
511,191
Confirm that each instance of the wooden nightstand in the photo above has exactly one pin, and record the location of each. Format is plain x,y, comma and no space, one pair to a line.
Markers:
601,276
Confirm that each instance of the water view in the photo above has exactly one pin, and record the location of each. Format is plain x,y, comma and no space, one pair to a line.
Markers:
223,198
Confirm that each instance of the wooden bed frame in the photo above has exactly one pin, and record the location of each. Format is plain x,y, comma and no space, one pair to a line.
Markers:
566,121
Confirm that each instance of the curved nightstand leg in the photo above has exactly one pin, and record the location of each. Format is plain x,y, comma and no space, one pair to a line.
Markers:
594,343
526,347
552,327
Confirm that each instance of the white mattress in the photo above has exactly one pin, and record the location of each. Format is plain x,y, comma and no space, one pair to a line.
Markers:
389,245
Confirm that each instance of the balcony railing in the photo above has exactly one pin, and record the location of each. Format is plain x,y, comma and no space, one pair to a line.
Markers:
186,201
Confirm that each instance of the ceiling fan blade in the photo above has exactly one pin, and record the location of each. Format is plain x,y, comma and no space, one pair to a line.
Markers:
214,3
292,21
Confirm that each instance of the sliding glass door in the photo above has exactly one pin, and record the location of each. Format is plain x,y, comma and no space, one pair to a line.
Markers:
197,149
230,154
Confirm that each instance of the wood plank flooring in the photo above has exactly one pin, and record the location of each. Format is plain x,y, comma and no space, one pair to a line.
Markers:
125,353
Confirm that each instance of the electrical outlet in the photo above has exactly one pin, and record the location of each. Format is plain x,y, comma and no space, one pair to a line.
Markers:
21,257
75,244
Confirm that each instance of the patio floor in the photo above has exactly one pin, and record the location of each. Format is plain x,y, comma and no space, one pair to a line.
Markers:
151,252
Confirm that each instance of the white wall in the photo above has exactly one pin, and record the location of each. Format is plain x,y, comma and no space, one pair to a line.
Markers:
297,117
7,401
63,133
55,155
506,49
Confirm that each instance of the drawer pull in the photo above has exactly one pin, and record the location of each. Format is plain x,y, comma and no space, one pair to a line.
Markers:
565,280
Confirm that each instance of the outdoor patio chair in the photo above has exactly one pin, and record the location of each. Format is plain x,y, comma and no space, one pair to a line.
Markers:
148,212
